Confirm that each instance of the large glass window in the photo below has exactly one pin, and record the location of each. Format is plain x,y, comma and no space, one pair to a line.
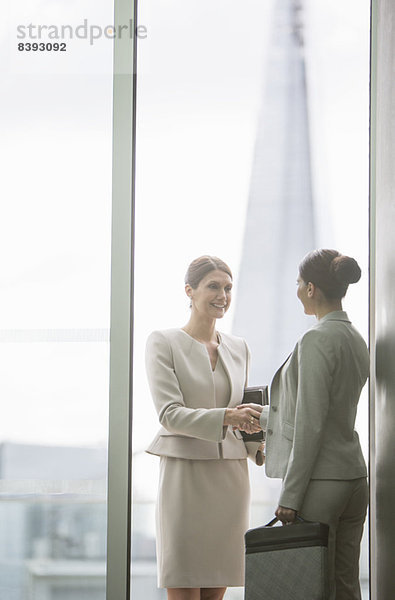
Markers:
56,115
252,145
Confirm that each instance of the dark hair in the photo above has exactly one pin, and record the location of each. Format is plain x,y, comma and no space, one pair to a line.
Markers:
203,265
331,271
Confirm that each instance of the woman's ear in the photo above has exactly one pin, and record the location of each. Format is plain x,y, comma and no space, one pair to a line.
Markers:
188,290
310,289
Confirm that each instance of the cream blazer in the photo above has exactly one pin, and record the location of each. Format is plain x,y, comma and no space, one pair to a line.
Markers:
182,387
314,397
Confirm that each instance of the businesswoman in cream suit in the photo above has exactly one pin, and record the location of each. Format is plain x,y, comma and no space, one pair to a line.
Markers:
197,377
311,443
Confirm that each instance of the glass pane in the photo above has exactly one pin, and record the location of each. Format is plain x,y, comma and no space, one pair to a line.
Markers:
253,127
55,223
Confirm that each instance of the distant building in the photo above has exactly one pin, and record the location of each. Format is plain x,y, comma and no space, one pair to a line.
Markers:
53,517
280,225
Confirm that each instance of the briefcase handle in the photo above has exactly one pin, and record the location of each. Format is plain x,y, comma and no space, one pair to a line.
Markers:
274,521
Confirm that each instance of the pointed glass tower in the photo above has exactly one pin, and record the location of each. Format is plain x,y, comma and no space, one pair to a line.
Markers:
280,219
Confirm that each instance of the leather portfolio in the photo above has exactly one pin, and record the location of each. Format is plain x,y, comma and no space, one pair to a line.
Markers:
257,395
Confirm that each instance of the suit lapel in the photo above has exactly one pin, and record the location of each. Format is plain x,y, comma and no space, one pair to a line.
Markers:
225,356
277,373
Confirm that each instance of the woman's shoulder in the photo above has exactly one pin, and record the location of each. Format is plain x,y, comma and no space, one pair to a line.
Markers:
171,338
233,340
319,343
314,337
164,342
166,334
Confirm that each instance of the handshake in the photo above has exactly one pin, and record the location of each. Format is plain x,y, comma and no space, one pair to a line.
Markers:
244,417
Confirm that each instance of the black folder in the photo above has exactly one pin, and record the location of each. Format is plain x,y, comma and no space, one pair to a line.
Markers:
257,395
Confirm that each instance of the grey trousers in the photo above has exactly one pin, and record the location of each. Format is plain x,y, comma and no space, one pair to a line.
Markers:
342,504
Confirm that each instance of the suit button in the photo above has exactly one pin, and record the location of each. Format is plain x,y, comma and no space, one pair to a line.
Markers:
274,408
270,431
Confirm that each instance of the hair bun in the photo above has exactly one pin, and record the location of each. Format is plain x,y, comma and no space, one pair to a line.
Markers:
345,269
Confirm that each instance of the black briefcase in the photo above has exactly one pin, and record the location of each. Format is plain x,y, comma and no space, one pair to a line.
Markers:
287,563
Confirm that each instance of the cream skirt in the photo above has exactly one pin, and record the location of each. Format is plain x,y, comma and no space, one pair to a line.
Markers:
202,515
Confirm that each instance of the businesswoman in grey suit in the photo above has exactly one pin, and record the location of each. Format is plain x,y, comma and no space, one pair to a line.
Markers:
197,377
311,443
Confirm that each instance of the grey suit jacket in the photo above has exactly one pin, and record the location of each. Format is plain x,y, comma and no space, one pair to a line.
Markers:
314,398
182,386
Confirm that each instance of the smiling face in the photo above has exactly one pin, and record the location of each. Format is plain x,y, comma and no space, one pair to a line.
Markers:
211,298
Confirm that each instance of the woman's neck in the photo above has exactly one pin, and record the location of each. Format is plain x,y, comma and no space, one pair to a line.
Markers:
327,307
202,330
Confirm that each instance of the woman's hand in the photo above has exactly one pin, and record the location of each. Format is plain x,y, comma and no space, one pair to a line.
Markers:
260,454
244,417
286,515
256,410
